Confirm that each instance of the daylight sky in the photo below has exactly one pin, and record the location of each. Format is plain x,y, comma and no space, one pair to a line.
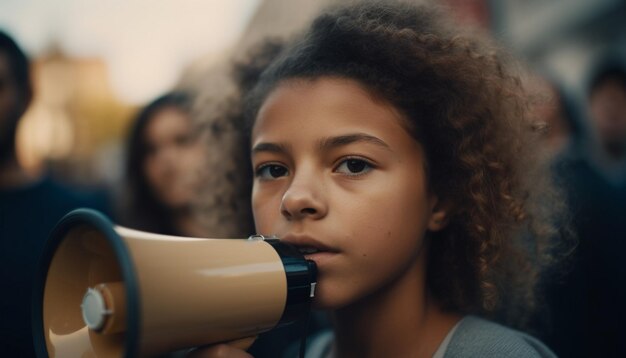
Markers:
145,43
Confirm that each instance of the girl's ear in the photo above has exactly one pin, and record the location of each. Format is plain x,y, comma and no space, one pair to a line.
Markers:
440,213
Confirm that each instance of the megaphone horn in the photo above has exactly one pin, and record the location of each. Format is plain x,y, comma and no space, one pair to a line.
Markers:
108,291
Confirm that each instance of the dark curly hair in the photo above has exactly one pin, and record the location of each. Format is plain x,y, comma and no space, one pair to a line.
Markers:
468,110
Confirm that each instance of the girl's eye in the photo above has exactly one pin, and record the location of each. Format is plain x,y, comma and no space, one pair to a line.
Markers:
271,171
353,166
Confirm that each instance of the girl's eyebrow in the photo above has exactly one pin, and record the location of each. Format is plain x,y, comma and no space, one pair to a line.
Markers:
339,141
270,147
324,144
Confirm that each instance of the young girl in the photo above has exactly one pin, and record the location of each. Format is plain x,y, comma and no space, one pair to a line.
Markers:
395,153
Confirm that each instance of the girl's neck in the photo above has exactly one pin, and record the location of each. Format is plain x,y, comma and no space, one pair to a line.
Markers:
400,320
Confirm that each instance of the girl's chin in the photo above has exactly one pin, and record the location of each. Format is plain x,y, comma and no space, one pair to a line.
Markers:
321,305
328,302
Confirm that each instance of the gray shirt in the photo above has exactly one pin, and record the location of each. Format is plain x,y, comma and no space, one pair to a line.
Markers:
470,337
477,337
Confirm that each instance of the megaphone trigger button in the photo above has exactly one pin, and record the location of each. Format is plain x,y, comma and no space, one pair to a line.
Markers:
259,237
256,237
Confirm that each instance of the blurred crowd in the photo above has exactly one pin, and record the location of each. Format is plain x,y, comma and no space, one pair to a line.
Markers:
187,173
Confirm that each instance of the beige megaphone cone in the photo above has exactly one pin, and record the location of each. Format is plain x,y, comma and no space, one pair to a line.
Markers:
108,291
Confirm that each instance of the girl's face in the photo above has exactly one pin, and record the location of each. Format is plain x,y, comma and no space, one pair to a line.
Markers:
337,174
175,157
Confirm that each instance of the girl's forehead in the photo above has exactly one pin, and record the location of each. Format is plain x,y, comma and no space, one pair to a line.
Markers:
347,101
309,114
326,84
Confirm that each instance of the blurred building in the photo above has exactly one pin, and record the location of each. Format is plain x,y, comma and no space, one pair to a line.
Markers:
566,37
281,19
210,75
74,114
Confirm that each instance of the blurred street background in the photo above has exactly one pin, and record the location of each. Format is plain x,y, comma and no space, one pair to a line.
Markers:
96,62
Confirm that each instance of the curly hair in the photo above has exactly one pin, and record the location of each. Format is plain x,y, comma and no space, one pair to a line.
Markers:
468,109
224,202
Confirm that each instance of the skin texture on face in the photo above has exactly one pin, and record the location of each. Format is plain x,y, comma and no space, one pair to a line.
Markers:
175,158
336,170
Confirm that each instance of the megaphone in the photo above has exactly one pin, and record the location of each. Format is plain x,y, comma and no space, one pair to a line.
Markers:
108,291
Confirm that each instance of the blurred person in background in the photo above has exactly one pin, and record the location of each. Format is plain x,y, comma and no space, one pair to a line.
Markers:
551,104
166,164
607,107
587,305
30,206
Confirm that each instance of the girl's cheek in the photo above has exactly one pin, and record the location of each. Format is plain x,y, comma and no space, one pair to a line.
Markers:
264,210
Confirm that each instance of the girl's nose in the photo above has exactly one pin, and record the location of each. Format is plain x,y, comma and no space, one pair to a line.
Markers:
304,199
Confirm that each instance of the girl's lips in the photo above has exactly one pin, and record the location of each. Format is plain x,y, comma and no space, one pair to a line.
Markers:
306,244
320,257
311,248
